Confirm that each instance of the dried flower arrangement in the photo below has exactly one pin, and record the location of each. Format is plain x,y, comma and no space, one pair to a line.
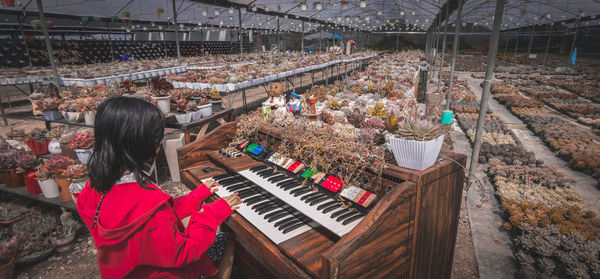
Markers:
75,171
48,104
160,87
82,140
58,164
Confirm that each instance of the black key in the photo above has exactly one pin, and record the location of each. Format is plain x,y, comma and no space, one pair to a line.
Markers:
303,191
291,186
278,216
317,200
312,197
293,192
261,205
273,178
285,221
229,181
293,227
338,213
344,216
262,172
307,196
289,224
254,200
269,174
327,204
274,213
330,208
352,219
238,187
247,193
258,168
223,176
286,182
268,209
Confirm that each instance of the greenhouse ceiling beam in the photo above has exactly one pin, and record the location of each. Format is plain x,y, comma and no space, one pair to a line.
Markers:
48,43
567,21
123,7
400,32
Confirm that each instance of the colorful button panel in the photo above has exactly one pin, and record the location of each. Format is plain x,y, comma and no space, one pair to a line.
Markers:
332,184
358,195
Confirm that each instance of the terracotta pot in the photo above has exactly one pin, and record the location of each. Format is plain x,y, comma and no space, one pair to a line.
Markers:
63,187
68,151
6,271
38,147
11,178
31,183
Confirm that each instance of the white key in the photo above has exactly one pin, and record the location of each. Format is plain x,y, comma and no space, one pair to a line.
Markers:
311,211
259,221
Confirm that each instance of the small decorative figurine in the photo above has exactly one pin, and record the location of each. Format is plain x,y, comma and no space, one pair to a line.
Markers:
275,99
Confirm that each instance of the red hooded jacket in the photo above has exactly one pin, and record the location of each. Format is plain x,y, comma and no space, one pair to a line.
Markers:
139,233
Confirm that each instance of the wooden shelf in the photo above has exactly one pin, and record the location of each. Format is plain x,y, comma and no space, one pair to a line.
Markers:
21,191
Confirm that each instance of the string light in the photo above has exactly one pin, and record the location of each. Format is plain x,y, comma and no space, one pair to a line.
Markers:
217,12
318,6
362,3
303,6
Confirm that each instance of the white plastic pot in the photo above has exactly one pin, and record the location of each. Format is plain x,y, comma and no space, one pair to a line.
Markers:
416,155
206,110
184,118
49,188
163,103
196,115
73,116
89,117
52,115
83,155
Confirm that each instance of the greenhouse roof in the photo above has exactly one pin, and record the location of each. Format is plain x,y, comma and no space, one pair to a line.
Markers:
369,15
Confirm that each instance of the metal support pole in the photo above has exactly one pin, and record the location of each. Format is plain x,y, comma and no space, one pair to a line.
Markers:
443,50
489,75
437,40
547,47
517,45
574,40
397,42
530,40
427,44
505,44
48,43
302,45
245,104
320,35
240,38
24,40
278,41
454,48
110,42
176,35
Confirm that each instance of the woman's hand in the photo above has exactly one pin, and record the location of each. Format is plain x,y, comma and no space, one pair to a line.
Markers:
211,185
233,201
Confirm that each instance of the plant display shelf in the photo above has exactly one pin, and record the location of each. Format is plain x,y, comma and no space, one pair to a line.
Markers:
204,123
120,78
62,121
22,191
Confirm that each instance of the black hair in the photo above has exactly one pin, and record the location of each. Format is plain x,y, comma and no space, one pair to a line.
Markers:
127,131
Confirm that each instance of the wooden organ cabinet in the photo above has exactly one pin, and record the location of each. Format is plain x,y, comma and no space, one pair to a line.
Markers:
408,232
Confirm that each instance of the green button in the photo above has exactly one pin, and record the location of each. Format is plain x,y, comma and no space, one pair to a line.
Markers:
309,173
251,147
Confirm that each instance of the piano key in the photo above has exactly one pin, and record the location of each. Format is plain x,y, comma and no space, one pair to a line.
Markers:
290,224
285,221
338,213
238,187
278,216
269,174
261,205
254,200
291,196
307,196
268,216
257,220
268,209
330,208
326,205
344,216
284,183
352,219
259,168
277,178
247,193
293,227
319,200
310,197
225,175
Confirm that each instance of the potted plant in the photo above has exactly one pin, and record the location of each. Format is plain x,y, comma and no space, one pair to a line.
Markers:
416,144
37,141
216,100
64,235
161,90
8,168
49,108
27,164
77,174
57,166
47,182
91,106
82,143
65,140
8,253
72,110
54,145
183,108
205,107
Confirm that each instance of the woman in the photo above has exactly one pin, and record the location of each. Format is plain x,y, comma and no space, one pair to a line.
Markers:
136,227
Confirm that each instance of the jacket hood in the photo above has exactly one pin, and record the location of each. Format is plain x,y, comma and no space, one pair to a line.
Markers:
124,209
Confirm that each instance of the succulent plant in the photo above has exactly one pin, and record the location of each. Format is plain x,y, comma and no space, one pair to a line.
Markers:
416,131
75,171
214,94
392,121
334,104
27,161
48,104
9,157
160,87
55,132
378,111
82,140
58,164
37,134
355,117
16,134
43,173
